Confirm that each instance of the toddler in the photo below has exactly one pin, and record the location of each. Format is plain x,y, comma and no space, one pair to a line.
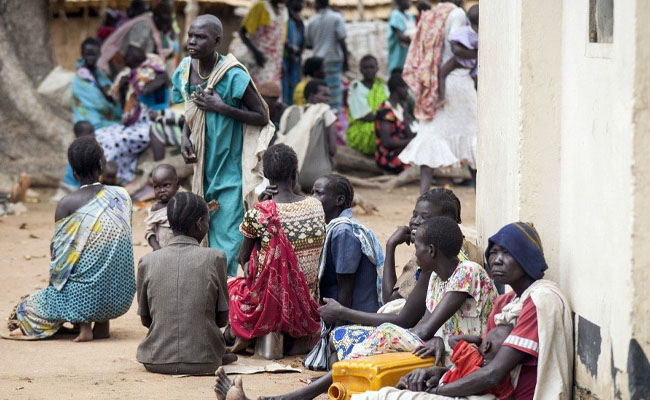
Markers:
165,185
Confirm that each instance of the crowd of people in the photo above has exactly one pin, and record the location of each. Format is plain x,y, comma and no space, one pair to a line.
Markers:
265,244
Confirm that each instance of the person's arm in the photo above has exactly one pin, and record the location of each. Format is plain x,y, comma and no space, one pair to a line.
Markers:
487,377
252,113
386,140
153,242
260,59
345,289
445,70
331,140
453,340
161,80
463,52
448,306
407,318
141,293
389,278
247,246
344,48
402,37
187,149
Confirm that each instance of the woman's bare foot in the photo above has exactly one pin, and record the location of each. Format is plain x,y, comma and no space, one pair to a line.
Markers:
240,345
16,332
101,330
85,333
227,390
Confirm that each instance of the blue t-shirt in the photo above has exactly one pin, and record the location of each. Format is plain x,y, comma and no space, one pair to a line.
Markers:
344,256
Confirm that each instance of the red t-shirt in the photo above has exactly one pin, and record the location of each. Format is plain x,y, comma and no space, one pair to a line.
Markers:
524,338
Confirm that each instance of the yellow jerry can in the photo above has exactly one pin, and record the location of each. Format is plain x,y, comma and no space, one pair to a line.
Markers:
372,373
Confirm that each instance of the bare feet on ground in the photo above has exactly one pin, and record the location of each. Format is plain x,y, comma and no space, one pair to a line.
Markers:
227,390
16,332
85,333
240,345
101,330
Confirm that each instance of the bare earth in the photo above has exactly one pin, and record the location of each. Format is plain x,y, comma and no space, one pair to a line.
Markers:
58,368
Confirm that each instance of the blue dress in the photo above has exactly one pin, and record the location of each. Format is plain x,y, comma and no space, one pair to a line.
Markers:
222,175
291,63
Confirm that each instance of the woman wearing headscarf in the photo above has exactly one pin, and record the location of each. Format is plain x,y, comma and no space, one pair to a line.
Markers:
538,353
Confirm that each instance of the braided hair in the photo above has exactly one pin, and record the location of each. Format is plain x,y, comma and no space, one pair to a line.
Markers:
183,210
443,233
85,156
280,163
449,203
341,187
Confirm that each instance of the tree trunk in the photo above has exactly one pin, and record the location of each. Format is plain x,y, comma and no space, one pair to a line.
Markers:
34,133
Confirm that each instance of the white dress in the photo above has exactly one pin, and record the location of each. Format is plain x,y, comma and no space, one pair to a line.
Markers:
449,139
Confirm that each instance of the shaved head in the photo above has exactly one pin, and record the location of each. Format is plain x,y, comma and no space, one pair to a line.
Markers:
209,21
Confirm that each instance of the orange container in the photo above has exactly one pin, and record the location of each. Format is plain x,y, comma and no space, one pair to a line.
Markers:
372,373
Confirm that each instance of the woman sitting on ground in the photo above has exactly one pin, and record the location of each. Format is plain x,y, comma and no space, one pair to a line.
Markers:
392,127
184,276
134,87
90,99
458,300
91,270
539,350
280,253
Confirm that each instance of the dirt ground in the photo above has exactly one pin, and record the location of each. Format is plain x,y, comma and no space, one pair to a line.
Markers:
58,368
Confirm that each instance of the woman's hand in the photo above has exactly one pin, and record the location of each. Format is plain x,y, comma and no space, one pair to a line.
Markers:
401,235
434,347
421,379
208,100
330,312
187,151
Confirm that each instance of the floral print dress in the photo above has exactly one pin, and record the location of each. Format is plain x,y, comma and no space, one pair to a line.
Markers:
470,319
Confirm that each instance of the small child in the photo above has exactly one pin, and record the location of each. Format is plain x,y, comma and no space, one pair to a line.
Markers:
314,68
165,185
467,358
109,174
466,36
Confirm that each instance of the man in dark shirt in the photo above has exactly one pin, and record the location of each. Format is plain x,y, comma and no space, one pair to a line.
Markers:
351,252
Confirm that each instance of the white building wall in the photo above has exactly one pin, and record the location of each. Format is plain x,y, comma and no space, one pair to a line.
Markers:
564,143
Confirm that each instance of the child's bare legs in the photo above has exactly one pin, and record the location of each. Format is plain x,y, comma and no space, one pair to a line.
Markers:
426,176
85,333
101,330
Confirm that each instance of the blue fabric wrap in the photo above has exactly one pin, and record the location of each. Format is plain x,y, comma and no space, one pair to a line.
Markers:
522,241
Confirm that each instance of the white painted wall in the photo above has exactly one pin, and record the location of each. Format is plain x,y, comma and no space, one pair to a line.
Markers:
563,143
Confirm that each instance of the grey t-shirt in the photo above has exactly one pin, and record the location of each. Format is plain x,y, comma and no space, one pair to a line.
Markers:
325,30
182,287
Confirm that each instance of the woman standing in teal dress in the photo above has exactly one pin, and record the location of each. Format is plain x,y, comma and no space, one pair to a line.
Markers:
90,99
91,270
224,115
293,50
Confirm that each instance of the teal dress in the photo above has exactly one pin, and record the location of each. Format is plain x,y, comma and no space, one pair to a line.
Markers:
222,176
397,51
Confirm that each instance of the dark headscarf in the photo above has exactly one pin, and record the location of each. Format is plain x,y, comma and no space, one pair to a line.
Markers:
522,241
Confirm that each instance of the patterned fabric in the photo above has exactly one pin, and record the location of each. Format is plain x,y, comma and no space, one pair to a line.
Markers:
138,78
267,30
522,241
334,80
361,101
291,62
122,144
167,127
472,316
303,223
91,272
276,298
370,247
346,337
88,101
423,59
387,159
387,338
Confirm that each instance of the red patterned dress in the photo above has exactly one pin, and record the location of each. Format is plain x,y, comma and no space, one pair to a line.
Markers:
387,159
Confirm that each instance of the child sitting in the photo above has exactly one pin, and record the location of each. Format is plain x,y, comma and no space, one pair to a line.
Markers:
312,69
165,185
364,97
462,39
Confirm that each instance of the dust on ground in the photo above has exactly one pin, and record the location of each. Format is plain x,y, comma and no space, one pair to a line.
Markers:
58,368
